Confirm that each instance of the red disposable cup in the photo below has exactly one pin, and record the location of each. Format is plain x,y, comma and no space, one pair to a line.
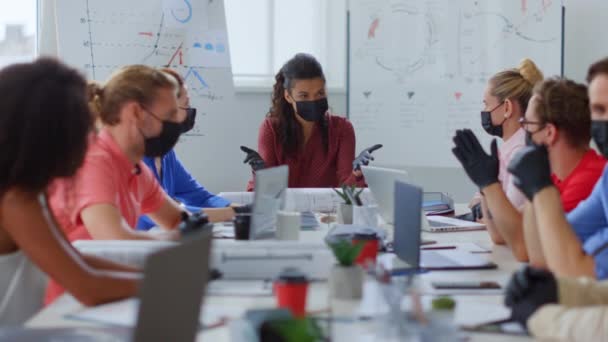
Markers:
369,253
291,290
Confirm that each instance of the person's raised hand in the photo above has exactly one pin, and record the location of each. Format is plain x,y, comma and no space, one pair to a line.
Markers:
531,170
482,168
365,157
253,158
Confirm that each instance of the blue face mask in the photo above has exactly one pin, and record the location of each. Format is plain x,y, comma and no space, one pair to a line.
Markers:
312,111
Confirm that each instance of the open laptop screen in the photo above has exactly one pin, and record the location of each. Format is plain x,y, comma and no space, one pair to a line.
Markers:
269,198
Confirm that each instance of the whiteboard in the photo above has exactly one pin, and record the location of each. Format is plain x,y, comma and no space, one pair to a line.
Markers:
418,68
100,36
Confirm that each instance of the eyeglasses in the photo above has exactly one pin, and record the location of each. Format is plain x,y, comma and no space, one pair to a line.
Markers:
526,123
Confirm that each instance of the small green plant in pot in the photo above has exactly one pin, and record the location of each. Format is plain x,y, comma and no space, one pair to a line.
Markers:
346,279
292,330
351,197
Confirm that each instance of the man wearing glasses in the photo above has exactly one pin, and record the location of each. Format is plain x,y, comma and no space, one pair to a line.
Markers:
557,118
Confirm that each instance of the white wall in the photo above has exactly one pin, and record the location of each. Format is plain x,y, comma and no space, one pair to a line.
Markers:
586,38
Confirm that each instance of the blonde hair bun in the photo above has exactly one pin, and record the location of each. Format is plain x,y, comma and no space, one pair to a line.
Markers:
529,71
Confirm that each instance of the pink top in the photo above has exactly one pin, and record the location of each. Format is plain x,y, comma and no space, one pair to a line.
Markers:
506,152
312,167
106,177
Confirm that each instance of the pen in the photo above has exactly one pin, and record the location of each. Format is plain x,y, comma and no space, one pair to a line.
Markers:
437,248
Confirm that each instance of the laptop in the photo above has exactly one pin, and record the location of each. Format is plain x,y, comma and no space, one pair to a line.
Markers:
407,238
269,198
169,307
381,182
172,292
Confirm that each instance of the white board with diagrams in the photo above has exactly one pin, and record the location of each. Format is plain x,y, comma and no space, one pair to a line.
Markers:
418,68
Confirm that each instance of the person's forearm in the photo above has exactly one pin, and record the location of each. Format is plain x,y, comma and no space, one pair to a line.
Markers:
563,250
507,219
219,214
107,265
574,292
556,322
491,227
533,242
131,234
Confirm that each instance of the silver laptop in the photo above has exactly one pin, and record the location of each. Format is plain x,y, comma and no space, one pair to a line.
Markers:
170,300
407,238
381,182
172,292
269,198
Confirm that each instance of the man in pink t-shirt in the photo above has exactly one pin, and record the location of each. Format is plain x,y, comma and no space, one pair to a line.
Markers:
107,177
140,116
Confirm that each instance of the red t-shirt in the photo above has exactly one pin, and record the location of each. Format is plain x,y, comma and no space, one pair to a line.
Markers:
312,167
580,182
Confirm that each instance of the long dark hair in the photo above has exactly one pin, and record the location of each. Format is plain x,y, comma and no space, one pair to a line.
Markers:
301,67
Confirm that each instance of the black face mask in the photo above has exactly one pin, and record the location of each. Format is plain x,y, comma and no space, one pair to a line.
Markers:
529,141
599,132
167,139
312,111
488,126
188,124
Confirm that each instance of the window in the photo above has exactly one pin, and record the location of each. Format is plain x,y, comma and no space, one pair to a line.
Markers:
18,29
264,34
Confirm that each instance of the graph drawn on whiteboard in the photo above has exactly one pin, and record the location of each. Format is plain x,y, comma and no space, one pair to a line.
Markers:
100,36
418,68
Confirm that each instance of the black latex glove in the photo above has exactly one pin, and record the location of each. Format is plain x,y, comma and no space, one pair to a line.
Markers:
531,170
244,209
528,290
365,157
476,212
193,223
481,168
253,159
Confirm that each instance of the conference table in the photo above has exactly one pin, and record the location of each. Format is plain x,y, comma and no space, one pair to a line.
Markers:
469,303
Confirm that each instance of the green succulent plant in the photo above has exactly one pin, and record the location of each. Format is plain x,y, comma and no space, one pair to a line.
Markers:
348,192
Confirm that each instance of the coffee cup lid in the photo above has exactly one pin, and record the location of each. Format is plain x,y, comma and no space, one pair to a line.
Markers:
365,236
292,275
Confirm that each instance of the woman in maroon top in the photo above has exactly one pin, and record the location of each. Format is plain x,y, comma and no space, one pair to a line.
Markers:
299,131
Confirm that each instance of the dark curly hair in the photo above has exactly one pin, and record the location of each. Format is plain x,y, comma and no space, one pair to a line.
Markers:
44,124
301,67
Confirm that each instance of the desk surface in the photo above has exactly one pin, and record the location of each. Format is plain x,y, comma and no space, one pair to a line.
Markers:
318,299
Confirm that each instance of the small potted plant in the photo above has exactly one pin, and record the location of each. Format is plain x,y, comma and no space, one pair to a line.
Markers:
351,197
346,278
292,330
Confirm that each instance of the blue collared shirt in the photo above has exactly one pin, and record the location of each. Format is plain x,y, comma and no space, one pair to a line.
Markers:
590,223
181,186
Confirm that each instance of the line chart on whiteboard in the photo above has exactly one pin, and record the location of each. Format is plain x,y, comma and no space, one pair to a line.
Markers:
101,36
